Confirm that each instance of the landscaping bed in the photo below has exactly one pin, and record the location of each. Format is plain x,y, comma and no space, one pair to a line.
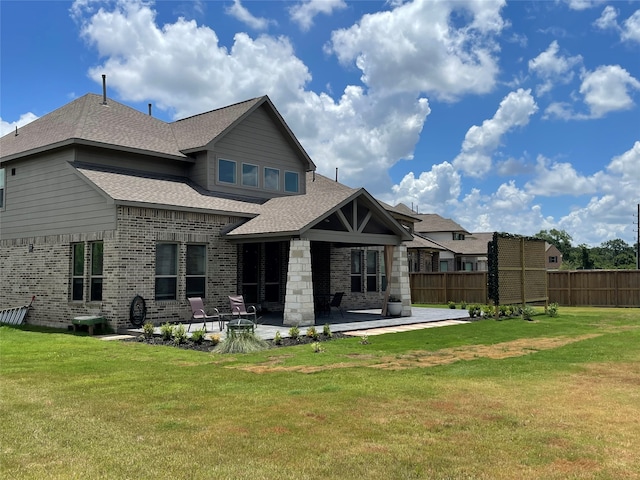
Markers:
209,346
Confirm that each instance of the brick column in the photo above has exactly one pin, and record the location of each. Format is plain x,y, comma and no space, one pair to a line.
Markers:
400,278
298,300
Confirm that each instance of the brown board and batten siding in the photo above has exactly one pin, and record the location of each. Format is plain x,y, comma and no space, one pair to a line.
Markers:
46,196
257,141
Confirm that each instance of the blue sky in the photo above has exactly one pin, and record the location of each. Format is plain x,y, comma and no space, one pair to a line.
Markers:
504,116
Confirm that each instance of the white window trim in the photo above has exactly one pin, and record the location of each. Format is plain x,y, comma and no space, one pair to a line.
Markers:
257,175
264,177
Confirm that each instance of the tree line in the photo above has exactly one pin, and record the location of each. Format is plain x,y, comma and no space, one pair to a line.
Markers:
612,254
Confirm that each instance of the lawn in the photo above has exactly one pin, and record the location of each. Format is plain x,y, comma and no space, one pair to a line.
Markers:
554,398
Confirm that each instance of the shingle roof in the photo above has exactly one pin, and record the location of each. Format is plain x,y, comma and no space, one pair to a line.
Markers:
432,222
117,126
473,244
199,130
294,213
421,242
87,119
157,191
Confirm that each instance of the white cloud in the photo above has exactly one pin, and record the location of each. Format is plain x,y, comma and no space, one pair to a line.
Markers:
8,127
553,68
242,14
431,191
631,28
608,19
183,69
481,141
557,178
583,4
416,47
303,13
607,89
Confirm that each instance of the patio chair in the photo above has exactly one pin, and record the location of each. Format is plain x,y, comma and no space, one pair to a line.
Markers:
238,309
199,315
336,300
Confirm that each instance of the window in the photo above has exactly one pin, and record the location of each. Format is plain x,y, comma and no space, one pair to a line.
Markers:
467,266
553,259
444,266
383,276
226,171
77,271
458,236
166,271
196,270
97,254
2,183
271,178
291,182
356,270
372,279
272,262
249,175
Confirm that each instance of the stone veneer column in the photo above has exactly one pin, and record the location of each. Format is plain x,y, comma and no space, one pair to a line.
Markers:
400,278
298,300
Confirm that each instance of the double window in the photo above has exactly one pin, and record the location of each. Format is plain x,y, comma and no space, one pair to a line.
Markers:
95,271
367,271
167,269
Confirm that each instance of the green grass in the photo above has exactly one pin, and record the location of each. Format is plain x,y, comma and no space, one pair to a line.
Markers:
555,398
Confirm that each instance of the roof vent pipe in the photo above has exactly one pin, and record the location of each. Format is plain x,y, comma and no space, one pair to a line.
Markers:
149,109
16,130
336,174
104,89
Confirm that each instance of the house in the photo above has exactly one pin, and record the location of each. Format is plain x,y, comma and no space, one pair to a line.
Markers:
553,257
442,245
102,203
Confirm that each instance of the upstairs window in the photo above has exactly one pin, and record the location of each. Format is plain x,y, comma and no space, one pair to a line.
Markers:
271,178
553,259
458,236
226,171
249,175
291,184
166,271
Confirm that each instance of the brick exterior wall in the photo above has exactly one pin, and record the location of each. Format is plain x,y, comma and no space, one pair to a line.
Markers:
41,266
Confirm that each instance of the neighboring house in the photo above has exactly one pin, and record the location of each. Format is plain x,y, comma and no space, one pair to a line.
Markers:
101,202
442,245
553,259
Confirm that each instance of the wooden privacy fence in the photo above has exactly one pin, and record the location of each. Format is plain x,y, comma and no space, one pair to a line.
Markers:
598,288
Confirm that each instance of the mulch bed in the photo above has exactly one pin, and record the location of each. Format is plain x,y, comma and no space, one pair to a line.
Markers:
208,345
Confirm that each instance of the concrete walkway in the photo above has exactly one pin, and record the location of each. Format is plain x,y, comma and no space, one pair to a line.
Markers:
354,322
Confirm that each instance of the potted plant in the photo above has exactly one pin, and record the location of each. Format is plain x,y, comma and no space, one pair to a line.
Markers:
394,306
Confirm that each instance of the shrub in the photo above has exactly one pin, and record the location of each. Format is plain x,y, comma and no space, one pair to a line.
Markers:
215,339
241,342
503,310
197,336
180,334
452,305
312,333
148,329
463,305
277,339
475,311
552,309
528,312
166,331
488,311
326,330
317,347
294,332
364,340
